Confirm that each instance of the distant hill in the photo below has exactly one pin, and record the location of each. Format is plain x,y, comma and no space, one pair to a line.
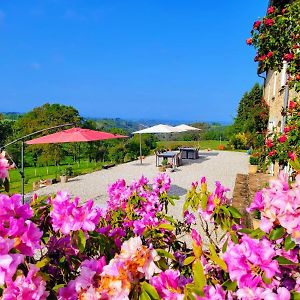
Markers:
11,115
107,124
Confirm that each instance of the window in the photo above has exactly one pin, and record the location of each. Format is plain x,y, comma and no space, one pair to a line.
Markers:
275,85
283,74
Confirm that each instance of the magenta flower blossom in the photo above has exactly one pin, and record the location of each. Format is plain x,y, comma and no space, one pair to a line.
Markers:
189,218
249,259
196,238
4,166
213,292
88,270
27,288
161,183
68,216
168,286
263,294
279,204
217,198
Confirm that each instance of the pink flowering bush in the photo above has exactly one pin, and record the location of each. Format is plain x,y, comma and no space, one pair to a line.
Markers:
60,248
284,147
276,39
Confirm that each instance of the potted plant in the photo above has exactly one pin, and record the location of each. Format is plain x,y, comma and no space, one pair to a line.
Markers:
254,161
65,174
163,166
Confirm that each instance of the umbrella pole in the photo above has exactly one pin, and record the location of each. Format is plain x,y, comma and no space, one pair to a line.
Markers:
141,159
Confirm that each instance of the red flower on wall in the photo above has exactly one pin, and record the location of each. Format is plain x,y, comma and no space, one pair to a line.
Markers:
271,10
256,24
269,22
288,56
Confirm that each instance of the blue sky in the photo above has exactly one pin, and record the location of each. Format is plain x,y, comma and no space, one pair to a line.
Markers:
155,59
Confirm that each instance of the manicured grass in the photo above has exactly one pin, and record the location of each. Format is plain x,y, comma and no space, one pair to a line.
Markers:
212,144
40,173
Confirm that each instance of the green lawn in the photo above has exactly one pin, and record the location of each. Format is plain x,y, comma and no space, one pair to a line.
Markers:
35,174
212,144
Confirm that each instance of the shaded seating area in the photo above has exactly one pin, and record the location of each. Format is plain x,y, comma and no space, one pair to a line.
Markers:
189,153
173,157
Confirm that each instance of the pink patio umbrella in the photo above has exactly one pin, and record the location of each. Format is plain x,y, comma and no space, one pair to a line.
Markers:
75,134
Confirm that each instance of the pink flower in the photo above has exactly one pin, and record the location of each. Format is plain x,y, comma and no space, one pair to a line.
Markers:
213,292
256,24
292,104
248,260
68,216
4,166
270,54
8,262
262,57
161,183
282,138
189,218
168,285
271,10
272,153
249,41
288,57
287,129
196,238
292,155
269,22
27,287
269,143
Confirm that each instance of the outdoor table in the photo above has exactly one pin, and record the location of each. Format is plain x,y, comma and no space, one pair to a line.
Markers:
189,153
167,155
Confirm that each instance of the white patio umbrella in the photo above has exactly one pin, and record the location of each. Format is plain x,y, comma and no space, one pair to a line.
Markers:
161,128
185,127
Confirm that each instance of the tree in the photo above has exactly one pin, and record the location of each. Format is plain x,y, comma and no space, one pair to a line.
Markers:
252,115
42,117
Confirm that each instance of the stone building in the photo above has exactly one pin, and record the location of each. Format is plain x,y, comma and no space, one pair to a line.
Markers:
277,95
276,91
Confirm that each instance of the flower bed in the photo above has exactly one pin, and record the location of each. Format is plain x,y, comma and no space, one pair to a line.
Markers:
57,248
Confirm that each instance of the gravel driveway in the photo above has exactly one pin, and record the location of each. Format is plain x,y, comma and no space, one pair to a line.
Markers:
215,165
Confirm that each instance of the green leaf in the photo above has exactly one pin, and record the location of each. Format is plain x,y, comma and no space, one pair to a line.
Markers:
266,279
289,243
234,238
150,290
144,296
276,233
166,226
224,247
225,210
199,276
203,199
234,212
220,262
81,241
230,285
43,262
189,260
284,261
257,233
57,287
246,230
164,253
295,296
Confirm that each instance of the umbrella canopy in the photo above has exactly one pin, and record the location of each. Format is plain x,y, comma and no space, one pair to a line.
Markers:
161,128
75,134
185,127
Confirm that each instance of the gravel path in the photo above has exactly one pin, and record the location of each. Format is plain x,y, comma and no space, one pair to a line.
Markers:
215,165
